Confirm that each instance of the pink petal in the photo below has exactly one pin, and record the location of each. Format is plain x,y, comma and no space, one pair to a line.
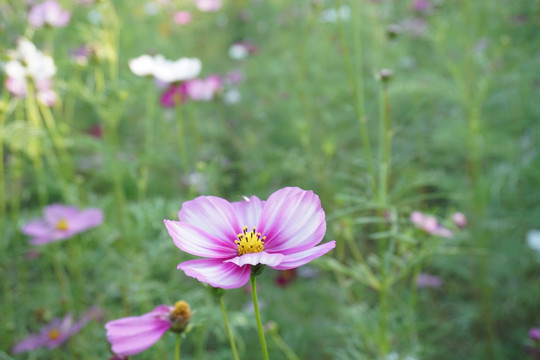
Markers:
197,242
217,273
295,260
86,219
257,258
37,228
43,240
30,343
248,211
292,221
132,335
212,214
55,212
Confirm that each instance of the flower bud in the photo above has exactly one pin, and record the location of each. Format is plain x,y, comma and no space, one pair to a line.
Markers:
180,316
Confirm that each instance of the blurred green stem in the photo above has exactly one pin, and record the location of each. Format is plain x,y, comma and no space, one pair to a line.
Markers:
413,335
3,111
258,317
228,328
177,347
278,340
385,146
34,148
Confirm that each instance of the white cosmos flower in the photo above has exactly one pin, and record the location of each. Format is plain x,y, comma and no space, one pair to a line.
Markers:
142,66
166,70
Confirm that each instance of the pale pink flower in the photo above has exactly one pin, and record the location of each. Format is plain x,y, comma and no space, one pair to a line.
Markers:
203,89
134,334
459,219
49,13
534,334
429,224
281,232
61,222
56,332
422,6
182,17
208,5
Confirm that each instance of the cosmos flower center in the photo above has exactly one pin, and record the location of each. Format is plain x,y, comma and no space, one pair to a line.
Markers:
54,334
62,225
180,316
250,242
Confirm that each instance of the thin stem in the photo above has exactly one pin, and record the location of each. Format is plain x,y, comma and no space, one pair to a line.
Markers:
177,347
289,353
258,317
228,328
181,136
385,146
34,148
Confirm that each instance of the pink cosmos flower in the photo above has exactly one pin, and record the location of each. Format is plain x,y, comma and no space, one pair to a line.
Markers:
61,222
280,232
429,224
132,335
208,5
49,13
56,332
203,89
422,6
182,17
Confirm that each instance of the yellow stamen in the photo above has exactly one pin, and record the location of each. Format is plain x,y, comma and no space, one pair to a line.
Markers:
62,225
250,242
54,334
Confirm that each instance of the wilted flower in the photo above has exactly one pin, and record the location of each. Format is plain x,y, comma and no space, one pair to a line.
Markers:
166,70
426,280
61,222
56,332
26,62
182,17
132,335
429,224
280,232
48,13
208,5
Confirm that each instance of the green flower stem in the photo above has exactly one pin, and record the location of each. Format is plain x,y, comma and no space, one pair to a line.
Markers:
385,146
34,147
181,136
258,317
278,340
228,328
177,347
3,207
413,336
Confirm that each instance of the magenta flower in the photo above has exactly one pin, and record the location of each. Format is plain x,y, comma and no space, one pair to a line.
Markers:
61,222
49,13
175,93
132,335
55,333
281,232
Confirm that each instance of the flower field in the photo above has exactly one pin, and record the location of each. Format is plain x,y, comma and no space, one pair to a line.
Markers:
269,179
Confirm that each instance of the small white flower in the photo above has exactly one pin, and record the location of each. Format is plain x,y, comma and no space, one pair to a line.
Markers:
238,52
533,239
